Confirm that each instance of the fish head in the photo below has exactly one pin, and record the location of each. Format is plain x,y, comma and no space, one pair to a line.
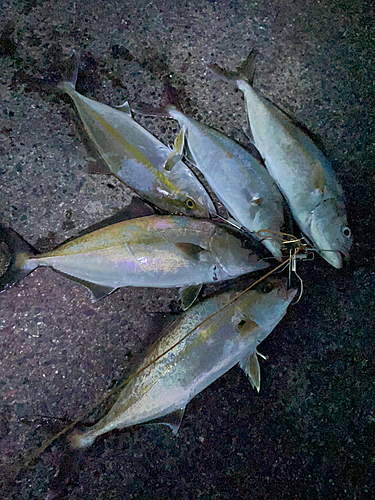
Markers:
234,256
330,232
189,196
274,302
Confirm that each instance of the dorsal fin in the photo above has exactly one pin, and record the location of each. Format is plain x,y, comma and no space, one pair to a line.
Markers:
125,108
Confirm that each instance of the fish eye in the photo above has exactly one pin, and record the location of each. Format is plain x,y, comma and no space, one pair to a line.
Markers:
266,287
346,232
190,203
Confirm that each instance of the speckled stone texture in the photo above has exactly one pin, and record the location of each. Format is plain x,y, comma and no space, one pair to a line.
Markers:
310,433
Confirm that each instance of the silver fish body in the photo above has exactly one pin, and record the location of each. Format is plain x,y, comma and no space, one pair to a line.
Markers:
303,174
153,251
138,158
241,183
230,336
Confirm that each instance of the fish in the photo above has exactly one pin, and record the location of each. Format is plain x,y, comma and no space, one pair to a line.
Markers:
302,172
151,251
138,158
199,347
241,183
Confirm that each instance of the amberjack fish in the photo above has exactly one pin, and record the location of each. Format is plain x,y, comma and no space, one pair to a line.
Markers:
138,158
240,182
193,353
153,251
300,169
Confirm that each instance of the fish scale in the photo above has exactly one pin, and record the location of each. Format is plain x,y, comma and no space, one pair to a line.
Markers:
240,182
138,158
153,251
199,347
300,169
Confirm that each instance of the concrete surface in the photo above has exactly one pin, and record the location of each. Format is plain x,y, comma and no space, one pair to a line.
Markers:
310,432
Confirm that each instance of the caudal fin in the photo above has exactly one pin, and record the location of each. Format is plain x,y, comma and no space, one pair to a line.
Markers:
243,72
80,439
171,100
69,87
19,251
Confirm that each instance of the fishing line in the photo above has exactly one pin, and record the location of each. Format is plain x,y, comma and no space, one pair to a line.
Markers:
230,223
71,426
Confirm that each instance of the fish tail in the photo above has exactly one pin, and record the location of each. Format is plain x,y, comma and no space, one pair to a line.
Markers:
81,439
67,87
247,68
244,72
77,64
20,251
147,110
70,86
172,99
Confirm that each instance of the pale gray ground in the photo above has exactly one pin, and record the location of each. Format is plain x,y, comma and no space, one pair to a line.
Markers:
310,432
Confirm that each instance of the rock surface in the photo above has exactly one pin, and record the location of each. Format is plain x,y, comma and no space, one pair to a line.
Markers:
310,432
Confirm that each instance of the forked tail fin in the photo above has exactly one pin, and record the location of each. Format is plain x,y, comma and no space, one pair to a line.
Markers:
171,100
244,72
19,251
70,86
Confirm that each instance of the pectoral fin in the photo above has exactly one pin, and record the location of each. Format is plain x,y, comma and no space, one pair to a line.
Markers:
172,420
188,295
321,194
190,250
247,327
250,365
177,151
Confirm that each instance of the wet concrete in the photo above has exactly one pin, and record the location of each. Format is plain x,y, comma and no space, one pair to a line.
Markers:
310,432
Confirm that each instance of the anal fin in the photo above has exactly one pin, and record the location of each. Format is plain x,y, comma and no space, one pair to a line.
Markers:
97,291
172,420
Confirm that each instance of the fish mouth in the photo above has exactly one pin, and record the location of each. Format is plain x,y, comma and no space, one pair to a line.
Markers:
332,257
274,247
285,293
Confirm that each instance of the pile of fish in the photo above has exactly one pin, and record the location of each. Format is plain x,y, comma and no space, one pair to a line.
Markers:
190,247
